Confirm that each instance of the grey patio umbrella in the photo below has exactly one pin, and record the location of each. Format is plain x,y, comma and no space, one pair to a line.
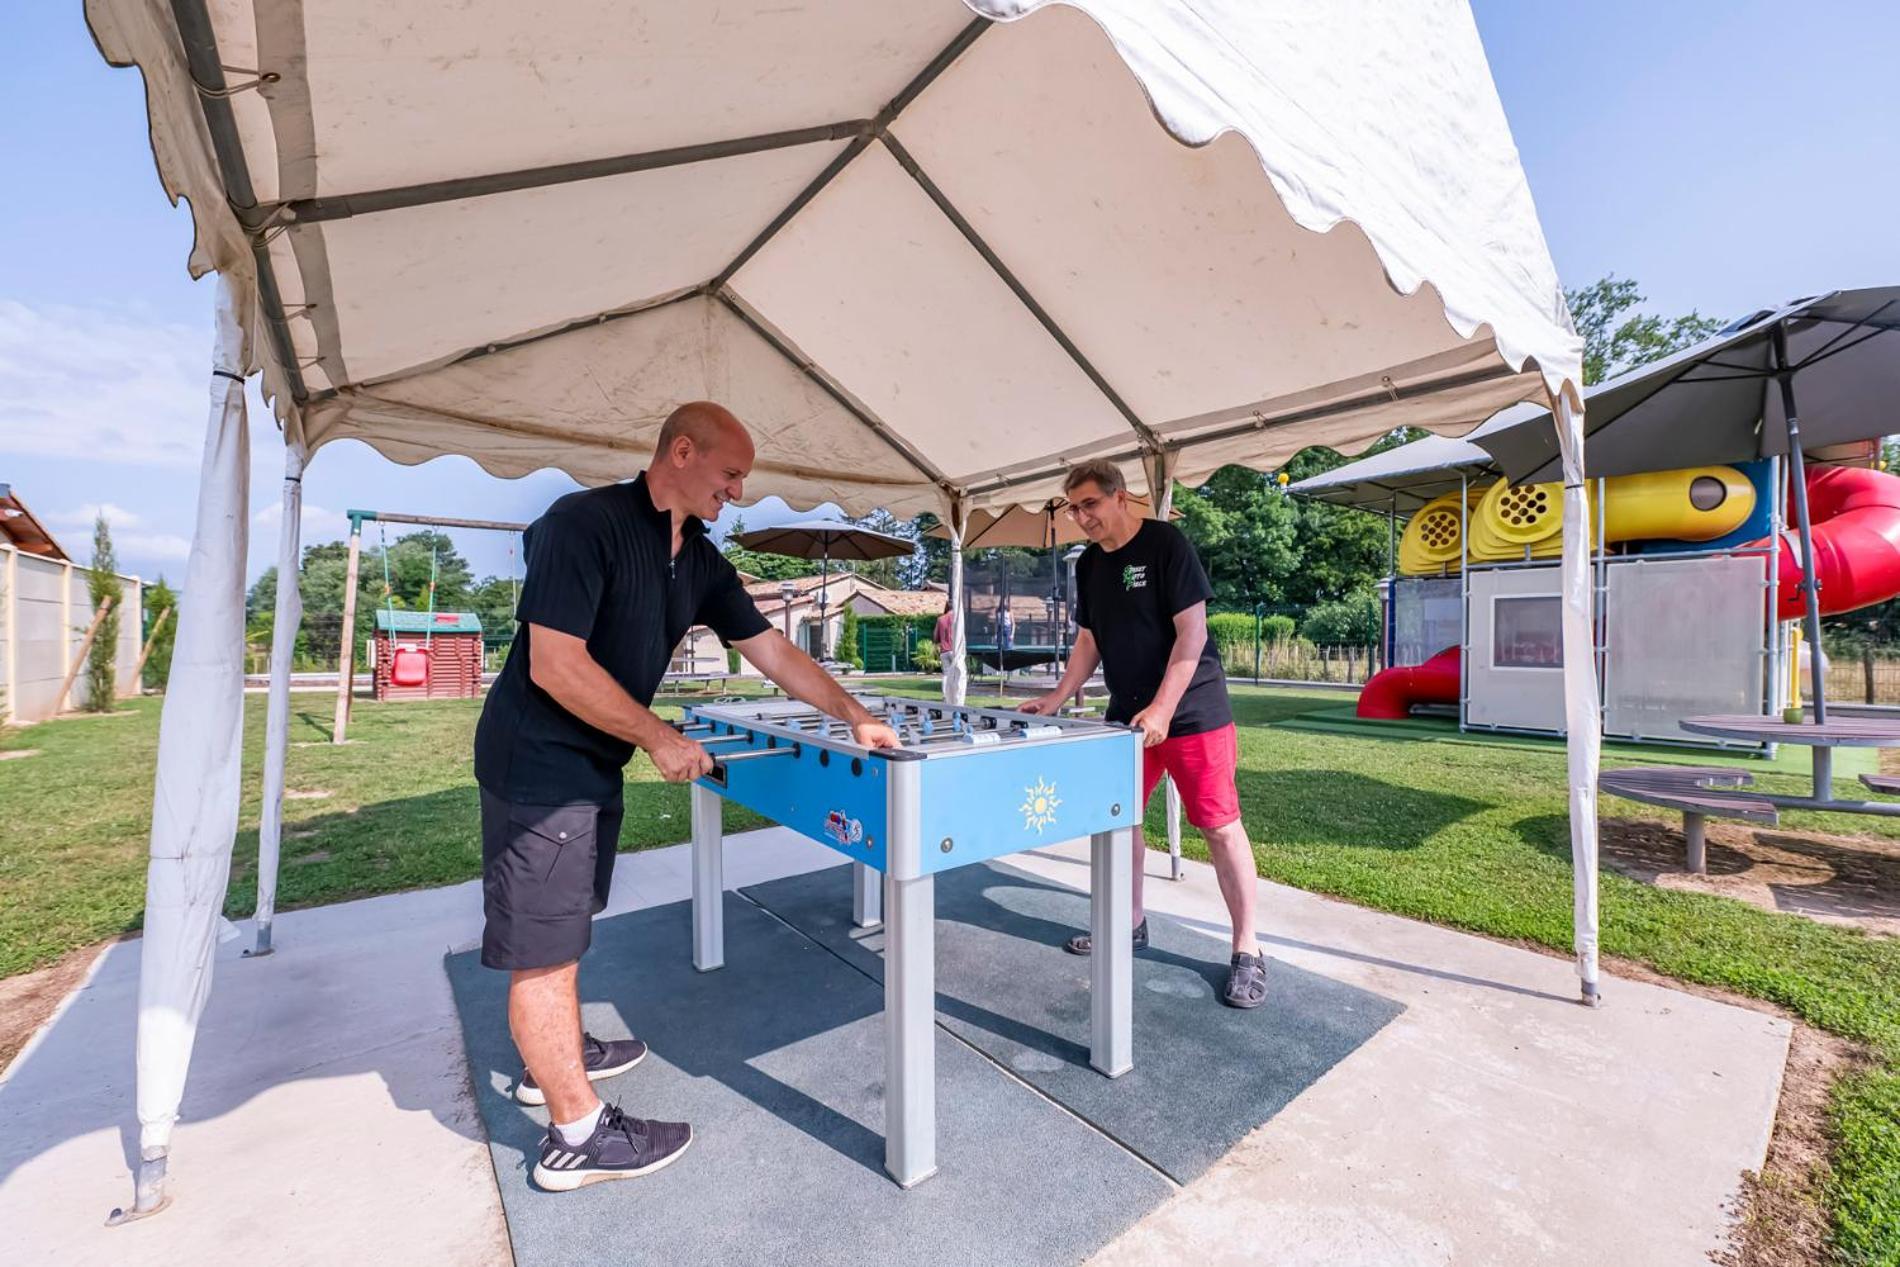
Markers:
825,540
1734,398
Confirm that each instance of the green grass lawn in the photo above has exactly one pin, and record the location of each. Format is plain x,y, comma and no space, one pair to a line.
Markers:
1471,835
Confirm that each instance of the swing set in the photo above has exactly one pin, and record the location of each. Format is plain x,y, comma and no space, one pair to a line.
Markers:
415,654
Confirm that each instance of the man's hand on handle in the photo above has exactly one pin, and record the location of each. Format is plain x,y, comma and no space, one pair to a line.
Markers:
875,734
1153,724
1043,705
679,759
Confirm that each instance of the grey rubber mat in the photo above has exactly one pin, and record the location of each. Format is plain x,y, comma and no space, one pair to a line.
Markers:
778,1062
1205,1075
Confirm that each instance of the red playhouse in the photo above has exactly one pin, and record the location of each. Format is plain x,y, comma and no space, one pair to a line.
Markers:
428,655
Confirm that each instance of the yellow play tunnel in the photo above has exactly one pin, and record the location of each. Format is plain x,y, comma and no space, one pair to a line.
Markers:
1515,521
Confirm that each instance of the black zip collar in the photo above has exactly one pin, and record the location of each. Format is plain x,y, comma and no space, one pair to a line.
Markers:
643,503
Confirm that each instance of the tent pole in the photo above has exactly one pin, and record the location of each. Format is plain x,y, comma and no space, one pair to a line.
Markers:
1582,715
270,823
1810,583
200,755
954,667
1160,506
346,652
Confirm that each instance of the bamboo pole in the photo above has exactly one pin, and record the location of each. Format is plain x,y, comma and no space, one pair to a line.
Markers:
346,654
151,640
85,646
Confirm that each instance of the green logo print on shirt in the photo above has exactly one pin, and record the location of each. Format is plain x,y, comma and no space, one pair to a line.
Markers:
1135,576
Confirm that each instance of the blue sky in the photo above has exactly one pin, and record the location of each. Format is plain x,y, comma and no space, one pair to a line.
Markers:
1725,155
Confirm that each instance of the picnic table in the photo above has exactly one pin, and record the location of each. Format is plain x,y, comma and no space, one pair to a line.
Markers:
1723,792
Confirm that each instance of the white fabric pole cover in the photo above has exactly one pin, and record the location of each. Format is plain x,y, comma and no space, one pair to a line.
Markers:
200,745
955,670
1581,720
270,823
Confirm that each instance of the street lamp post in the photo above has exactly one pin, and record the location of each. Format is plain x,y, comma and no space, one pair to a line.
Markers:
788,590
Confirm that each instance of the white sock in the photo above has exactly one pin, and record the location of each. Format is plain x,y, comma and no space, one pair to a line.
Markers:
577,1132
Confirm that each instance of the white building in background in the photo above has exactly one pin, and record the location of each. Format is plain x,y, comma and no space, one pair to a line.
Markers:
45,608
700,651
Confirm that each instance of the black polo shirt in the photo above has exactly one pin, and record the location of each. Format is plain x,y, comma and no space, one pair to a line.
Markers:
1128,600
600,567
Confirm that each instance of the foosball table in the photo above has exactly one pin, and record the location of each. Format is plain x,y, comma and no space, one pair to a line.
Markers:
968,784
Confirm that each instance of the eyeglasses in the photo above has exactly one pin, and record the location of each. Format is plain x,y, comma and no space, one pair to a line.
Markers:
1090,506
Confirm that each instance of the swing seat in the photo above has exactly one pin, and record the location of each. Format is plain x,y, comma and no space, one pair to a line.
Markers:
409,667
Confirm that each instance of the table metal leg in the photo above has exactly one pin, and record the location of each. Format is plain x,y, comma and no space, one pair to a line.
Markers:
867,896
1175,870
709,898
1695,840
910,1029
1112,965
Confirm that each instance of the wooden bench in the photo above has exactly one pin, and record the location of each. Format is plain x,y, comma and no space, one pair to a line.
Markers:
1888,784
1697,791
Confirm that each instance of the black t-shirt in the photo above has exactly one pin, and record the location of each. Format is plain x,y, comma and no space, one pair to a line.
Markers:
1128,600
598,568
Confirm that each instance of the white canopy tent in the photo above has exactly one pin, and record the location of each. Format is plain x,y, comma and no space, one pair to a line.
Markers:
932,251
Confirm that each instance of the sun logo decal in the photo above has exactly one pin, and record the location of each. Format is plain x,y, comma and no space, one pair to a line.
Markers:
1039,805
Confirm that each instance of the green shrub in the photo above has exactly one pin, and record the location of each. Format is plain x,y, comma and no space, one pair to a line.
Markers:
926,656
1278,628
1345,622
848,649
1228,630
102,582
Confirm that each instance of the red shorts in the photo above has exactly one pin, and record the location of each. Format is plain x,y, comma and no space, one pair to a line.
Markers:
1202,767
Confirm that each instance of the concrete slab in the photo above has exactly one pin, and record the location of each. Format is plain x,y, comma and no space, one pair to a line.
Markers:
329,1117
1495,1121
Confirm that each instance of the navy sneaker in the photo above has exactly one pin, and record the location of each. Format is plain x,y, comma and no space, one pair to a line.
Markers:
621,1147
602,1060
1082,943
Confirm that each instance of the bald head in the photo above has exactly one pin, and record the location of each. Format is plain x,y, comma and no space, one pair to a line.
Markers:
706,424
700,460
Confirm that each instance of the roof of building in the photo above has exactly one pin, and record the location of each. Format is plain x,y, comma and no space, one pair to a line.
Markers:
21,530
426,622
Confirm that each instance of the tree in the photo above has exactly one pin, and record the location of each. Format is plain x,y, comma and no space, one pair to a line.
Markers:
1614,342
102,582
494,602
767,567
891,573
159,599
932,560
1246,532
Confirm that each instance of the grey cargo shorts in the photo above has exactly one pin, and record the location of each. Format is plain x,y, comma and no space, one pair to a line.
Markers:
546,870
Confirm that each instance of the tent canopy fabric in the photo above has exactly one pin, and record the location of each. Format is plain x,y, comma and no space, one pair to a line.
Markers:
1718,401
943,236
1028,527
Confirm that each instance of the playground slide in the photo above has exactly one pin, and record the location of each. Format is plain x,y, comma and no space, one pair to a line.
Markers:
1856,518
1391,693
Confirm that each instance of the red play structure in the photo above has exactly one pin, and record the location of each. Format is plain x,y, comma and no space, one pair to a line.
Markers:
1855,515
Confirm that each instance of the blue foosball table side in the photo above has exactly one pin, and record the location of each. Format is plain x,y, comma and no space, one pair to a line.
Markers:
969,785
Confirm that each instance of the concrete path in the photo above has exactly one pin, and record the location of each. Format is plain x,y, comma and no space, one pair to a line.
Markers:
329,1117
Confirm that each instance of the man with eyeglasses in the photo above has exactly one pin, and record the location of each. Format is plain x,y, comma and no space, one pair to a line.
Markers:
1141,614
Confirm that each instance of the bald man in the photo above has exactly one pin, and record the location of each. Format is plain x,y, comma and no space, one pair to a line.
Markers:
615,578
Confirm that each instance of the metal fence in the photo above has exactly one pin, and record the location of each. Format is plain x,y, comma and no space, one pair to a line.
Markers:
1297,660
1867,676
